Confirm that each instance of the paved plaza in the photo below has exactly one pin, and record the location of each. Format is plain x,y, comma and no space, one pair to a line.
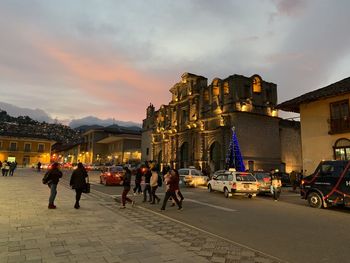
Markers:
99,231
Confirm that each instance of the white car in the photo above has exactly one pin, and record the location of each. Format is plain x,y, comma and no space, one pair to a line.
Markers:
234,183
192,177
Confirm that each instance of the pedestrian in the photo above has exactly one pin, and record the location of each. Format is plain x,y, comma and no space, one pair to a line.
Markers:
138,179
5,168
276,185
147,188
78,182
293,180
177,190
13,167
127,186
52,178
39,166
171,182
155,181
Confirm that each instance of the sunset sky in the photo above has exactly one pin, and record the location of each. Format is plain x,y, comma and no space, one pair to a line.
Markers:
111,58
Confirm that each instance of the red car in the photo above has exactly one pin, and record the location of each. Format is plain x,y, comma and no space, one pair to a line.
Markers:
112,175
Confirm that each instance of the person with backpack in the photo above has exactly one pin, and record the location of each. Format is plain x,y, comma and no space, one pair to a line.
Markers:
156,180
78,182
52,178
127,186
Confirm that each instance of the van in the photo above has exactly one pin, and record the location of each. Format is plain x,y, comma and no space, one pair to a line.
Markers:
329,185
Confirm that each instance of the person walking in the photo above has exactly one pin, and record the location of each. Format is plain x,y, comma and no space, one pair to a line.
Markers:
5,168
276,186
147,188
13,167
78,182
171,182
52,177
127,186
155,178
138,179
177,190
39,166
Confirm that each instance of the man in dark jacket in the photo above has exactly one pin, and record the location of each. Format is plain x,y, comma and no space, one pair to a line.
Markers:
138,179
127,186
78,182
147,188
53,177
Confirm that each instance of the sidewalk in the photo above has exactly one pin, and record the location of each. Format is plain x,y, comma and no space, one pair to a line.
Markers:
99,231
30,232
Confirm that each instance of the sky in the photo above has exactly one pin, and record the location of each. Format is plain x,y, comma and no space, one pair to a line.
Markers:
111,58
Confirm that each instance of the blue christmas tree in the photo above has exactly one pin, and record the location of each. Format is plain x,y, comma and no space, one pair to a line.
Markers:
234,158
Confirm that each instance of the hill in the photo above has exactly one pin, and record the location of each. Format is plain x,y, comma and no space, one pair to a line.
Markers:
24,126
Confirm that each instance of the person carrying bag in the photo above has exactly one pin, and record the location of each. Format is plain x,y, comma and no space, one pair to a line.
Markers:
80,182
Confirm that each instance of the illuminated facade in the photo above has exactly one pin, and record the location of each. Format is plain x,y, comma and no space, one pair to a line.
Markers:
194,129
25,151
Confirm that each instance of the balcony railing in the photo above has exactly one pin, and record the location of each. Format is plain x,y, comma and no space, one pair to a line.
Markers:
339,125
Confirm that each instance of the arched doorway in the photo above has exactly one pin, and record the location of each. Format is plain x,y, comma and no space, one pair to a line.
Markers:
341,149
215,155
184,155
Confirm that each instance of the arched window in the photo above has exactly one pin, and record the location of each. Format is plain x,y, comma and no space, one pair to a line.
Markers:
226,88
256,84
342,149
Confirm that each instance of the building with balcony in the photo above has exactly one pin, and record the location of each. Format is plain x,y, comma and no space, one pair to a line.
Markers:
194,128
25,150
325,123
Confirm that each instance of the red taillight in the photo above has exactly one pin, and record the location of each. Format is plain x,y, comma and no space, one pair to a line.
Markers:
108,174
234,186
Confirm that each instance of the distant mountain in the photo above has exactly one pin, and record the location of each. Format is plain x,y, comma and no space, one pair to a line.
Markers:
41,116
85,128
91,120
37,114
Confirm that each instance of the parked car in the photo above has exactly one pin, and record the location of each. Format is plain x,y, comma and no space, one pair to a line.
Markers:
329,185
264,180
192,177
234,183
112,175
285,178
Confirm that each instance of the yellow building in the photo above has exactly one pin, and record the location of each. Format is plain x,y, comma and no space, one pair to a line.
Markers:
325,123
25,151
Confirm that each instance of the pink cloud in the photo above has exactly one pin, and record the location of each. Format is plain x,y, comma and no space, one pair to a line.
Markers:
290,7
100,77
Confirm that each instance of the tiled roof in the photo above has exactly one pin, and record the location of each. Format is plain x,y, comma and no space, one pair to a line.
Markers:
335,89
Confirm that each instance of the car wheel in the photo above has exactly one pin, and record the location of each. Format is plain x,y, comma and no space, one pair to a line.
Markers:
226,193
250,196
314,200
209,188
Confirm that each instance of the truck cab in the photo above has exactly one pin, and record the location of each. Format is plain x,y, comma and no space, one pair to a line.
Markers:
329,185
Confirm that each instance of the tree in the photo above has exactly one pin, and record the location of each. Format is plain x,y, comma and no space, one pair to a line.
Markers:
234,157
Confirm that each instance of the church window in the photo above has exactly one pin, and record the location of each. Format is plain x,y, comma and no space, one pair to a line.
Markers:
226,88
256,84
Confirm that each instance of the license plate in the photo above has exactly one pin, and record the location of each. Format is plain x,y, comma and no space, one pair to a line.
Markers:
246,186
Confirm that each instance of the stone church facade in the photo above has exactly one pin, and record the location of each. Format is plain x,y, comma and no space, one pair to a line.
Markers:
195,127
